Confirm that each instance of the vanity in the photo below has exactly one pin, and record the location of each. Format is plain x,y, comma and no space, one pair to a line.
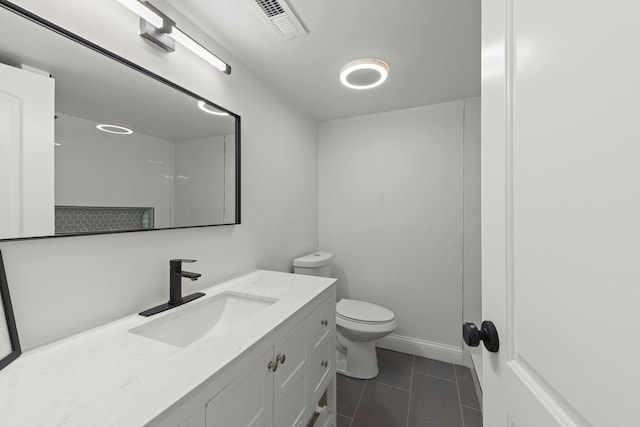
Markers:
257,350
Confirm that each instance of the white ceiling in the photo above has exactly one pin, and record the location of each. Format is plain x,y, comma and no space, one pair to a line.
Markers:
432,47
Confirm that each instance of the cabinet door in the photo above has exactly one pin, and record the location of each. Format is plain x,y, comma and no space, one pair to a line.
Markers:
290,397
197,419
247,401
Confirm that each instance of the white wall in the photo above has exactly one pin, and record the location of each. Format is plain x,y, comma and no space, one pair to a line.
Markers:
472,274
199,182
391,212
95,168
64,285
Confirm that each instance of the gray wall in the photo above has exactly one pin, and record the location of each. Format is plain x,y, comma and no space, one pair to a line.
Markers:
66,285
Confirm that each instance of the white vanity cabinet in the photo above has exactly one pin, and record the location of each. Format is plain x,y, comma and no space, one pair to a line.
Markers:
227,377
280,386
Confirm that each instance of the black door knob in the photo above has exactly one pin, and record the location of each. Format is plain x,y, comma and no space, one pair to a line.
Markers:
487,333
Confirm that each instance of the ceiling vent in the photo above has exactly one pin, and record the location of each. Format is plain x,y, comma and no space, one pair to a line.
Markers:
279,17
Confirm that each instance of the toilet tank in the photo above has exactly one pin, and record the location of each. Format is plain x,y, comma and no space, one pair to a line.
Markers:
315,264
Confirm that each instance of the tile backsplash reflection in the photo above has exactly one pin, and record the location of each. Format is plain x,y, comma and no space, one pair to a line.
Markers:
89,219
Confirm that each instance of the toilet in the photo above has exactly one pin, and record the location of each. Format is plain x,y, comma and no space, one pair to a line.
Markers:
358,323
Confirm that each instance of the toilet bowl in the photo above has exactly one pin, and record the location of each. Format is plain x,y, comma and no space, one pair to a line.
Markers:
358,323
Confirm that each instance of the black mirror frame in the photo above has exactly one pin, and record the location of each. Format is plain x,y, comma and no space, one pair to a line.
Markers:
16,351
76,38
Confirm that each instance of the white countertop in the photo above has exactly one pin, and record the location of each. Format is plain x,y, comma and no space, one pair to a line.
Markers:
110,377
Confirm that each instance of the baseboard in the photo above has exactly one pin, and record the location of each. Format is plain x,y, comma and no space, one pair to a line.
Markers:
418,347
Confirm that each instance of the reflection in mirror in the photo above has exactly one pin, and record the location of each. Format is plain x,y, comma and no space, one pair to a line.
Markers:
91,145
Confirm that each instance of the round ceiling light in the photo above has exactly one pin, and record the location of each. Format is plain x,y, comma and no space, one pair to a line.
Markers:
211,110
118,130
364,73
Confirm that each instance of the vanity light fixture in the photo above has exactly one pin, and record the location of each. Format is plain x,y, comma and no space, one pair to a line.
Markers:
162,31
207,108
118,130
364,73
143,12
199,50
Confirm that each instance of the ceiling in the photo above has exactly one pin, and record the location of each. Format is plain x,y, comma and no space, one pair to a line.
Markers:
431,46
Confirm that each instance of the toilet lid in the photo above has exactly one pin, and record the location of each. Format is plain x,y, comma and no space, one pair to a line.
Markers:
361,311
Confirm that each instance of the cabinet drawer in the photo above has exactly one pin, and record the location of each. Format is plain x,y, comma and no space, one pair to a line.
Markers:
320,324
320,368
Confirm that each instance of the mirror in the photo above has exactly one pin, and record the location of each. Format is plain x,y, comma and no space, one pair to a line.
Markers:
91,143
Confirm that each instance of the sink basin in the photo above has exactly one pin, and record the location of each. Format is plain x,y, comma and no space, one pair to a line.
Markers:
204,318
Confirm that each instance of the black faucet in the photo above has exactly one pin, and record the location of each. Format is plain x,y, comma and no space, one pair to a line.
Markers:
175,280
176,273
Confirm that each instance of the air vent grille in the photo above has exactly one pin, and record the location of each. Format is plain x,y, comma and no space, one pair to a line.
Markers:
279,16
271,8
285,25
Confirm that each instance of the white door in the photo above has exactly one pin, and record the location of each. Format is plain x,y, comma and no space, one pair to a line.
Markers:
561,211
26,153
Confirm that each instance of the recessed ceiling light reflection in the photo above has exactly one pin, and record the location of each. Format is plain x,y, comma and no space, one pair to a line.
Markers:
210,109
118,130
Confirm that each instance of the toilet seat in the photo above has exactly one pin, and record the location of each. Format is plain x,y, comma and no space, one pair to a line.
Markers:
362,321
365,330
363,312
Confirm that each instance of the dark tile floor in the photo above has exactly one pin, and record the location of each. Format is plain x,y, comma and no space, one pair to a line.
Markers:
410,391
